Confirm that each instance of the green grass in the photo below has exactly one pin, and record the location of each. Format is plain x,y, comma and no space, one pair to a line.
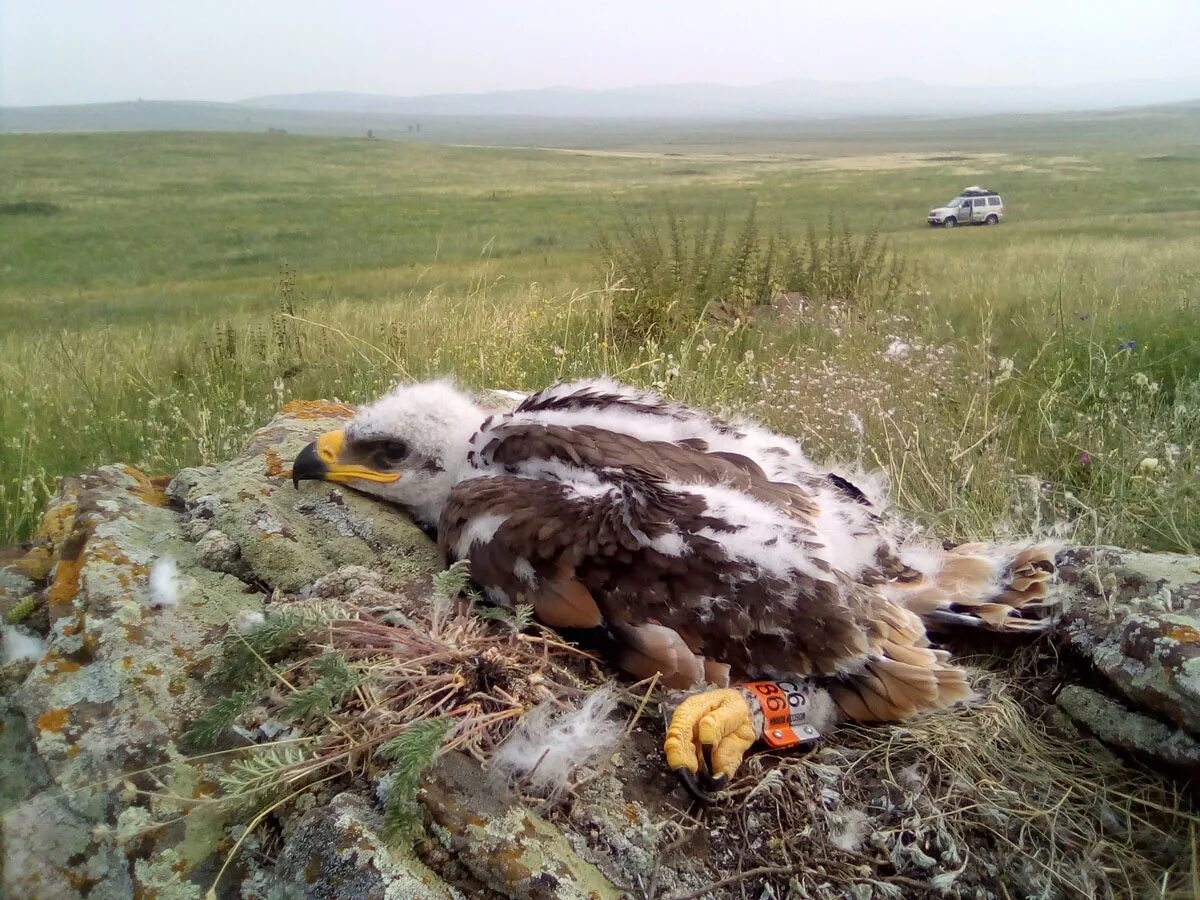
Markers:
142,316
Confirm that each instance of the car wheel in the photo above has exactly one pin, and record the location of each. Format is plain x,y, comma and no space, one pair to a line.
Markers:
950,222
991,220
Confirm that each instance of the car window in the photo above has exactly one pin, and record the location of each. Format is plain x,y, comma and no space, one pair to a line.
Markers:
978,201
993,201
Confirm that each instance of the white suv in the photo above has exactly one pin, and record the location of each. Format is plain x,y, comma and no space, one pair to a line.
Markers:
974,206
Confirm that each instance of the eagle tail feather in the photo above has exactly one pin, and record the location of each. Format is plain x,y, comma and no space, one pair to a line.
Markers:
994,587
902,675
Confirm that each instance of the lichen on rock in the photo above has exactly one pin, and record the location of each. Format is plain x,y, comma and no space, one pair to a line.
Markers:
338,850
1134,620
508,847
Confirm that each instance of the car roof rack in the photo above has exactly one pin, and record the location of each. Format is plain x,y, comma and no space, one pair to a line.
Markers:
977,191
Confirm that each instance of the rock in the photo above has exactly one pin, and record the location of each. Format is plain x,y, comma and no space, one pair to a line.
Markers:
215,550
91,731
337,851
22,774
345,581
1134,620
1138,734
51,850
288,538
120,680
117,681
506,846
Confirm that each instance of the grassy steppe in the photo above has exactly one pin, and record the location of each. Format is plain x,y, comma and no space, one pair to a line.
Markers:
1043,374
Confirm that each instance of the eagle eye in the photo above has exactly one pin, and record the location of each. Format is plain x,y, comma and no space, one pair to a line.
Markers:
393,451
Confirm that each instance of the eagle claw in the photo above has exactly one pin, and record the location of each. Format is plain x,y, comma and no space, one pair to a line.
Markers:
692,781
709,734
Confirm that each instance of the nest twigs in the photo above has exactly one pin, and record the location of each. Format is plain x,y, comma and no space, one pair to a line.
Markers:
442,662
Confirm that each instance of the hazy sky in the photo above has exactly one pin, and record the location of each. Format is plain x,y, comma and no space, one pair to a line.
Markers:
78,51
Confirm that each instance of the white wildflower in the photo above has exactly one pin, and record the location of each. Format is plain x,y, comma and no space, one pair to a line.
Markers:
1006,370
1142,380
1149,465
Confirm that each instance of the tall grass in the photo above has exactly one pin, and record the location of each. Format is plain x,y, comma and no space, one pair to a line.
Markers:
677,271
1039,429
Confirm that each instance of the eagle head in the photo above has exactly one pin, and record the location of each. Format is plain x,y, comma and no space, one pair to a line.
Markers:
408,447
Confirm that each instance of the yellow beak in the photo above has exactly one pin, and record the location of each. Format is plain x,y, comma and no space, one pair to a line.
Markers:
322,460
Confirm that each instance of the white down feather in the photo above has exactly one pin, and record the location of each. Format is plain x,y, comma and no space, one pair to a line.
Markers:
549,745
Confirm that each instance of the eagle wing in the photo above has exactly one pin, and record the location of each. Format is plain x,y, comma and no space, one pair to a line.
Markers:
694,560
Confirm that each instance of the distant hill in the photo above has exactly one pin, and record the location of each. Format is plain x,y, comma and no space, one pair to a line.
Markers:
796,97
177,115
1164,128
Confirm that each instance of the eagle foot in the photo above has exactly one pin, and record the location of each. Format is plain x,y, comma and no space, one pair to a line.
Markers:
708,735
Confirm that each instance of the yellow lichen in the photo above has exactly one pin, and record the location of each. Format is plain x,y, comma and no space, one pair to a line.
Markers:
36,563
65,585
55,662
317,409
148,489
56,522
53,720
275,467
107,550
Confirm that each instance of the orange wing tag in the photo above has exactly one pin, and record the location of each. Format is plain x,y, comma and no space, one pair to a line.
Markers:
785,712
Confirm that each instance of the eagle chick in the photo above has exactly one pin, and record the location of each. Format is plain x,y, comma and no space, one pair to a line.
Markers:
699,550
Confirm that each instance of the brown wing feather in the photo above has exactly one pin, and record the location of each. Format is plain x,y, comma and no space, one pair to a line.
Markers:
511,445
683,615
725,612
565,602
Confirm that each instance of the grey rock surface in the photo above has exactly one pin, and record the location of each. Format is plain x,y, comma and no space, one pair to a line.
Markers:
1117,725
99,794
337,850
503,843
1133,619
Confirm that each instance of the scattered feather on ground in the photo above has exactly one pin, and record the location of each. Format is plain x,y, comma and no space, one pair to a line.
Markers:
164,583
17,644
550,744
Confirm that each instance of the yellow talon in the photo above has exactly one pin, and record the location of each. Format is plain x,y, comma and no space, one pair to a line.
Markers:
709,734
